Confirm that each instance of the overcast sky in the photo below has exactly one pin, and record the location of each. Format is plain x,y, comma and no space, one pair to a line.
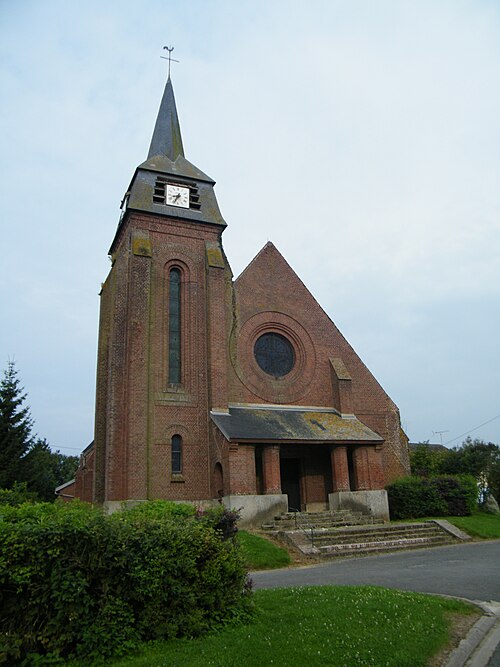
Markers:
362,137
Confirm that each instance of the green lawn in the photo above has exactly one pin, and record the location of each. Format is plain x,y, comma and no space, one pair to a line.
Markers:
479,524
261,554
320,626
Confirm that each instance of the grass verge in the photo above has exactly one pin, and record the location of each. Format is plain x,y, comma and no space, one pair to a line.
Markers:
261,554
480,524
320,626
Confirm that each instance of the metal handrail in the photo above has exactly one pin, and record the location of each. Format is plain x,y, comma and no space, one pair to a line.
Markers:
302,528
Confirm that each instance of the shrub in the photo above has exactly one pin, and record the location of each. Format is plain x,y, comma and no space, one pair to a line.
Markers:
76,583
413,497
159,509
17,495
458,492
222,520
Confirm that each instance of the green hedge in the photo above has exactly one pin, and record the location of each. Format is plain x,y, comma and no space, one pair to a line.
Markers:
77,583
17,495
413,497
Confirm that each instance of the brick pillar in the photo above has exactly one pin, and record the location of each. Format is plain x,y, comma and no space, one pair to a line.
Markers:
361,466
340,469
137,430
217,329
376,467
369,470
271,469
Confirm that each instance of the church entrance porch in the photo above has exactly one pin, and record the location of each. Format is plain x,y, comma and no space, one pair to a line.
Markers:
304,477
297,458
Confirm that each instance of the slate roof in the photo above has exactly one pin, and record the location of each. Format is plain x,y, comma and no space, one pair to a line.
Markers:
167,138
434,448
291,425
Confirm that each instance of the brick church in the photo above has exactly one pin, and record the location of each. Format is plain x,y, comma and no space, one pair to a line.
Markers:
213,389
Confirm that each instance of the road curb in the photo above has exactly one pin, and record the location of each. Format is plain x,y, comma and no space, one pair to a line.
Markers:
476,649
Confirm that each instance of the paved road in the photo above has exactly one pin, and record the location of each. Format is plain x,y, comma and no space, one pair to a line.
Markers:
495,658
470,570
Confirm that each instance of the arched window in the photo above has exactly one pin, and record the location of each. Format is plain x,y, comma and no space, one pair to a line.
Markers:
174,327
176,454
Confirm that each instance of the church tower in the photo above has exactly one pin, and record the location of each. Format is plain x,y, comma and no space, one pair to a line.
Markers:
163,325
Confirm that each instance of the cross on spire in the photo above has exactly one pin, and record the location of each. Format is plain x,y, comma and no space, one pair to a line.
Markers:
169,57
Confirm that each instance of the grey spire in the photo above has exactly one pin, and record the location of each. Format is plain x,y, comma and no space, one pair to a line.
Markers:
167,138
166,163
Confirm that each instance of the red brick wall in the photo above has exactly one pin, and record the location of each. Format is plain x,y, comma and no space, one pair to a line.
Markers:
340,469
369,469
271,480
242,470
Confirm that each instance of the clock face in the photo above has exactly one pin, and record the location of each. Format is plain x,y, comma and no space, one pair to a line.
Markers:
177,196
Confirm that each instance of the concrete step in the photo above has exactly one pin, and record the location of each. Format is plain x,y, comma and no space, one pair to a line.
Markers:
317,516
335,534
290,520
357,548
320,539
325,523
353,540
360,533
323,513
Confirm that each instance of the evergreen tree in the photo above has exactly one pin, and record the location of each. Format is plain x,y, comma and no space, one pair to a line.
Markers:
15,427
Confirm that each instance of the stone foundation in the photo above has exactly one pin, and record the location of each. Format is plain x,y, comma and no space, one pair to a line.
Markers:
255,510
316,507
111,506
373,502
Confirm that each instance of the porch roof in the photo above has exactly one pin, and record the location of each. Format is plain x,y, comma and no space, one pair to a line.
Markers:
263,424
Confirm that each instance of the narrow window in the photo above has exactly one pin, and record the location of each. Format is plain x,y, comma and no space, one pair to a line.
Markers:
174,327
176,454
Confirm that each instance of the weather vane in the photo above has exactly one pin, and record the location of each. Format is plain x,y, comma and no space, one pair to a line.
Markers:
169,57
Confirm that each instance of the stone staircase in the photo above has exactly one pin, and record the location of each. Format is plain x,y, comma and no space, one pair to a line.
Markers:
342,534
317,520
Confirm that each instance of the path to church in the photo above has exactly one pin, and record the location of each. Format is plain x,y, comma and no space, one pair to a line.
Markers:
468,570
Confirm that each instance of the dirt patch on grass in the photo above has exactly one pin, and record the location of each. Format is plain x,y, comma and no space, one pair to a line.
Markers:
459,625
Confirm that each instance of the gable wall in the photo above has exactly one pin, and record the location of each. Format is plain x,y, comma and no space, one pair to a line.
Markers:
270,296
